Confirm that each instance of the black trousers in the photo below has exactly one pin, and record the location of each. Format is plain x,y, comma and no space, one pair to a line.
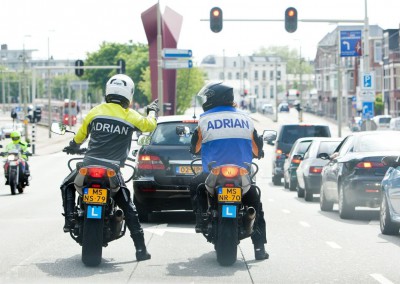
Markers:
251,198
122,199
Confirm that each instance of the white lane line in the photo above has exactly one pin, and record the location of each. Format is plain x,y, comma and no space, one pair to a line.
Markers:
286,211
304,224
271,200
333,245
380,278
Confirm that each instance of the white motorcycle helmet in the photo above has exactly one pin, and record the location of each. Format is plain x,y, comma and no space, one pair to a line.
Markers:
120,89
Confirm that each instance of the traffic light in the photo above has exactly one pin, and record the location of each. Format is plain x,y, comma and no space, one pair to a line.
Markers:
216,19
291,20
79,71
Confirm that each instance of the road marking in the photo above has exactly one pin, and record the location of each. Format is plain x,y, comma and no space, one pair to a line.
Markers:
380,278
304,224
333,245
271,200
286,211
162,228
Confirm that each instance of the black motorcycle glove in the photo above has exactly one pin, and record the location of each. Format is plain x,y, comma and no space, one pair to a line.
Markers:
153,107
72,148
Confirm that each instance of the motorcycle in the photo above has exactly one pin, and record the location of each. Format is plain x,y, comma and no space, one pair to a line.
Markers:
97,220
12,170
227,220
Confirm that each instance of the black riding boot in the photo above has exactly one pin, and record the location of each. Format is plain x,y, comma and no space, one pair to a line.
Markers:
68,197
141,251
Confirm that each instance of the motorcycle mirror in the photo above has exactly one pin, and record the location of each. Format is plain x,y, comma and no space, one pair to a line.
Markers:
58,128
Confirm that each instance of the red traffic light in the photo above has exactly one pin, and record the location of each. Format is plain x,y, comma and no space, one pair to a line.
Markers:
216,19
291,20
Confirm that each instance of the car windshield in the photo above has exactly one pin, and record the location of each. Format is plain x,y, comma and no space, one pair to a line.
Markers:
378,142
385,120
165,134
294,132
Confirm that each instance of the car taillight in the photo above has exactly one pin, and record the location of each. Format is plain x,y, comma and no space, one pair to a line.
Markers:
296,161
278,152
150,162
315,170
369,165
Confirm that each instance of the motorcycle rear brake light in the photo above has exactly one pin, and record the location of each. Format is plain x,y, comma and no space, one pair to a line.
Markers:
229,171
315,170
150,162
96,172
369,165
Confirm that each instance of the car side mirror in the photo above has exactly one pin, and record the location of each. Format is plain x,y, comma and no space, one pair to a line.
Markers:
269,136
391,161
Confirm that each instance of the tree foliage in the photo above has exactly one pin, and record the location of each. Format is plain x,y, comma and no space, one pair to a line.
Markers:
295,64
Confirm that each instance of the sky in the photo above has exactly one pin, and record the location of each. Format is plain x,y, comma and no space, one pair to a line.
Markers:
72,29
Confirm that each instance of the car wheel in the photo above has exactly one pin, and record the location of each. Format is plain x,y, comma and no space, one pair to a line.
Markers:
387,226
285,184
346,210
276,180
324,204
308,196
143,212
300,192
292,184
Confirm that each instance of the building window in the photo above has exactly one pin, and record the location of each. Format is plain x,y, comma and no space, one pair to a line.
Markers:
234,63
264,92
245,75
221,76
237,76
256,75
264,75
271,92
229,76
256,91
271,75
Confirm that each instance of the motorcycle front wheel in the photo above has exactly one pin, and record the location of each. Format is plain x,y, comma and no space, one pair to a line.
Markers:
227,241
12,178
92,242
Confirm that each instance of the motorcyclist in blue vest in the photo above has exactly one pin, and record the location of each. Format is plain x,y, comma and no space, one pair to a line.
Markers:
233,144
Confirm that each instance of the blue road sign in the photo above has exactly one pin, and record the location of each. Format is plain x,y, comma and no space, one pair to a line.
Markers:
368,81
367,110
177,64
176,53
350,43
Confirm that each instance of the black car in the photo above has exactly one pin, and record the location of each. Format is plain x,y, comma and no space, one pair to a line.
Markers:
287,135
354,173
163,168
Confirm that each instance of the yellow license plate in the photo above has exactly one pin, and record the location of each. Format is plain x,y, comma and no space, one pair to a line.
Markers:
187,170
229,194
95,195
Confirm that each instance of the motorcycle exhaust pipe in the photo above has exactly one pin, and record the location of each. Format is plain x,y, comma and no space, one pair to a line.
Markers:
119,215
248,220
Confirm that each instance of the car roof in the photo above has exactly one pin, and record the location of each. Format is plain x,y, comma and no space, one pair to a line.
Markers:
176,118
303,124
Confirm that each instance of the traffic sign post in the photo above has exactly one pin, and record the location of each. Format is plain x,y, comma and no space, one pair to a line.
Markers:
367,110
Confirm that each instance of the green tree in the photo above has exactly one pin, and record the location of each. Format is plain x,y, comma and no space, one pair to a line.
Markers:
294,64
136,59
378,105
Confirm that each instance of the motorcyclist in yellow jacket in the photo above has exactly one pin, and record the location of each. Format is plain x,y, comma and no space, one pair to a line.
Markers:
22,146
109,127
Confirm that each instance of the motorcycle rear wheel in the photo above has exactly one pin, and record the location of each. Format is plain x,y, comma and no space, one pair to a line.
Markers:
92,242
227,241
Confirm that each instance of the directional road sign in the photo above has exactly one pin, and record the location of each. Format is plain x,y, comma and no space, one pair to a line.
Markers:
368,110
176,64
176,53
350,43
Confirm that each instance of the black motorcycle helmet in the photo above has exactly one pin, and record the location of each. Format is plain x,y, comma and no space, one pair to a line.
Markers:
216,94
